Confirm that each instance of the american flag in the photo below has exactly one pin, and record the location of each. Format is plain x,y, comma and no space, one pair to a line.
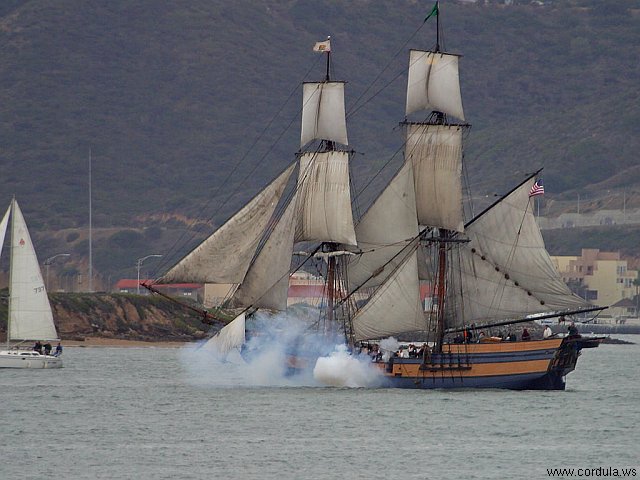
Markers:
537,189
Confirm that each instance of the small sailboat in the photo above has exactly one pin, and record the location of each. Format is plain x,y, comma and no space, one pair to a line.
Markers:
488,272
30,318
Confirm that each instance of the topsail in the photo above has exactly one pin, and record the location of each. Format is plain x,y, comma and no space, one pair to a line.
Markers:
323,115
434,83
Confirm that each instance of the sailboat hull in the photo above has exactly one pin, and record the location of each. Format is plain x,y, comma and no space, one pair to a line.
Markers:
28,359
533,365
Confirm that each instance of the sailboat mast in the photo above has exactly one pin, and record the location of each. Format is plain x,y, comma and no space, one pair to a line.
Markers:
13,223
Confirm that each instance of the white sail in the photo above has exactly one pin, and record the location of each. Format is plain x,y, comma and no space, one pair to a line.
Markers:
323,115
395,306
435,151
434,83
389,225
30,316
324,200
224,257
3,227
505,272
266,284
231,336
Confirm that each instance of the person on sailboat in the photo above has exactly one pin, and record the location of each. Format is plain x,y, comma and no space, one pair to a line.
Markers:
47,348
58,351
38,347
547,332
526,336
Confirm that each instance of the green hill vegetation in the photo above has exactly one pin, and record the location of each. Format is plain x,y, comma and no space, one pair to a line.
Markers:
188,108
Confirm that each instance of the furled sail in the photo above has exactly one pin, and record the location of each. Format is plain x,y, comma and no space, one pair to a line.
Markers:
435,151
30,316
323,115
267,282
395,306
389,225
434,83
230,337
505,272
324,198
224,257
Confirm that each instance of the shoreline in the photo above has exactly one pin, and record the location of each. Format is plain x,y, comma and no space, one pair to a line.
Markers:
120,343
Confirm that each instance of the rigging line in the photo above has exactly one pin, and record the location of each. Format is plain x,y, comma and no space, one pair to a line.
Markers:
283,205
526,319
246,309
179,242
355,110
500,292
357,107
386,164
414,246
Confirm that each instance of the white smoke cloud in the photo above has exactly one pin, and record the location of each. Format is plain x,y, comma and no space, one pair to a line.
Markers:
342,369
278,342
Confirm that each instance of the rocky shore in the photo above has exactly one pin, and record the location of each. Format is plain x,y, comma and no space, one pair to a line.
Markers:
110,319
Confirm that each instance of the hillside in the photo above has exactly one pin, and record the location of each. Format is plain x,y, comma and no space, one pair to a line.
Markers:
188,108
126,317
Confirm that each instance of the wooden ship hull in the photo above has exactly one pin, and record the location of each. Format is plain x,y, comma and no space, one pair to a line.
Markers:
531,365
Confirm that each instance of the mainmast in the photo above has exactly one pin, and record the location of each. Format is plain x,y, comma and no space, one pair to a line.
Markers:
434,148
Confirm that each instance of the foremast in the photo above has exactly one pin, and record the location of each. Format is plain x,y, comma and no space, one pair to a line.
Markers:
252,250
324,120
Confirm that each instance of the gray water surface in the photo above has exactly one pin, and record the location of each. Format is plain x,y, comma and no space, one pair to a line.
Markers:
147,413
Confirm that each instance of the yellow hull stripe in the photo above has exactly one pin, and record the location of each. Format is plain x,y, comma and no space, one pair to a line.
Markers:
476,370
501,347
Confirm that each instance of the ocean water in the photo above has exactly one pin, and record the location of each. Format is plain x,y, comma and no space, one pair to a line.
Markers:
163,413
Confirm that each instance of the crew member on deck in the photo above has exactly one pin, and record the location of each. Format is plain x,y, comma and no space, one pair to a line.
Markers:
526,336
547,332
573,330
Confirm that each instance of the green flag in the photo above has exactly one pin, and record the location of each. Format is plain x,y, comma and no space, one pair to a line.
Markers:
434,12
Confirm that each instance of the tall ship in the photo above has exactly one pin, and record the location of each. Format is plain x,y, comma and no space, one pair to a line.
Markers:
491,271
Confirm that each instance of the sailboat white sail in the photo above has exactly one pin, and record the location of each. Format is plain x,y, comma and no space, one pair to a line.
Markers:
30,317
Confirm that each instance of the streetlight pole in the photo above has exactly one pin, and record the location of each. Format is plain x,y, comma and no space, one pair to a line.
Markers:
49,261
138,265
